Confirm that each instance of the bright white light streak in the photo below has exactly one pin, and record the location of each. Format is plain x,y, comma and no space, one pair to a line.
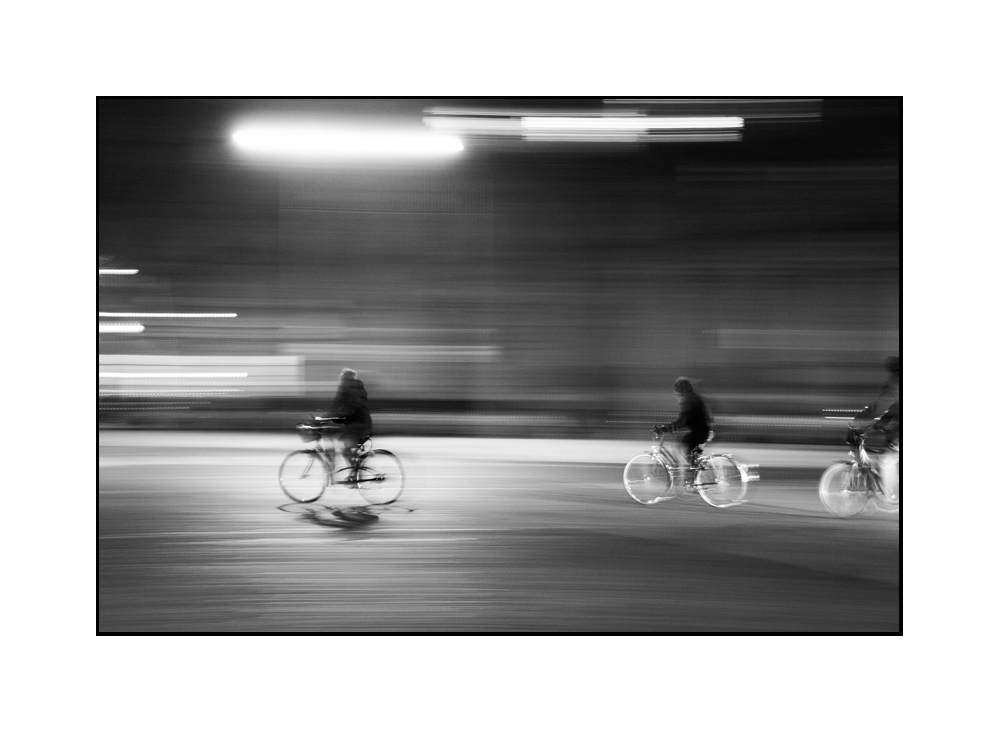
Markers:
332,142
176,392
171,375
120,328
475,125
624,137
166,315
606,124
117,272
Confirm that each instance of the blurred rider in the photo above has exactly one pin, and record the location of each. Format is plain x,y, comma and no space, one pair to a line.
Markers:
882,421
350,404
694,417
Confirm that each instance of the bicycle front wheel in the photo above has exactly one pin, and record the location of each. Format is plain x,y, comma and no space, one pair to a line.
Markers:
843,491
647,479
303,476
721,484
380,477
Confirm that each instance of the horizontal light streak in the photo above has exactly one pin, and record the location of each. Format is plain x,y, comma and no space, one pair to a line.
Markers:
714,100
116,272
102,314
567,136
172,392
395,352
640,124
158,404
124,362
501,126
120,328
172,375
159,409
589,127
332,142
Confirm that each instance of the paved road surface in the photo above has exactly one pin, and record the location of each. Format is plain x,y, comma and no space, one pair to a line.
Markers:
490,536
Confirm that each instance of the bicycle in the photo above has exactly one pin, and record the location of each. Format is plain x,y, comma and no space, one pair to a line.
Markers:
659,475
305,474
847,488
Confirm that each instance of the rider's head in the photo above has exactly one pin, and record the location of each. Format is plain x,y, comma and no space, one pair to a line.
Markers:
347,374
892,365
682,388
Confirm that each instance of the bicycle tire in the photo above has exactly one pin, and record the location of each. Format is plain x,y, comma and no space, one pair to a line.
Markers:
380,477
647,479
722,484
881,500
843,491
303,476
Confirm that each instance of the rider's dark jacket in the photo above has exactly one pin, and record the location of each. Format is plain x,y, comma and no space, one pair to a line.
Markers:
351,403
694,416
887,410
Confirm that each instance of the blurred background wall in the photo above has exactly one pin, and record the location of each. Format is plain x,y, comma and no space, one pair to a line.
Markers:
509,291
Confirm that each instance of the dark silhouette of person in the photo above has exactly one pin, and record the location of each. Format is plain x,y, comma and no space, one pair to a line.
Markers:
886,412
694,417
882,422
350,406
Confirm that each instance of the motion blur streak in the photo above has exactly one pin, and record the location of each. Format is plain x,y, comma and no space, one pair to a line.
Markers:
117,272
166,315
593,126
171,375
630,123
308,142
120,328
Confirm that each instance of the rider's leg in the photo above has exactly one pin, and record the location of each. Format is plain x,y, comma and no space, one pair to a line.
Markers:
349,443
888,471
687,458
693,442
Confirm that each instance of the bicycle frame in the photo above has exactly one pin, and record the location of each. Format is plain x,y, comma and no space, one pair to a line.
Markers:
668,456
864,462
327,454
673,462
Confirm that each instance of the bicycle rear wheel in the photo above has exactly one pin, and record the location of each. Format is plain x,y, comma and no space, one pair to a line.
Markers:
843,491
380,477
722,483
882,498
303,476
647,479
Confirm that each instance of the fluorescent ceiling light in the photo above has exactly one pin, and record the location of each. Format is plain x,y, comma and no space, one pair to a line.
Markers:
332,142
120,328
166,315
116,272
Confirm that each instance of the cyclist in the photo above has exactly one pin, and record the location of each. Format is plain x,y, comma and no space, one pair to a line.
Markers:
694,416
350,408
882,422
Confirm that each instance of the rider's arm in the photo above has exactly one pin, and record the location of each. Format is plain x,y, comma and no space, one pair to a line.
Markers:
682,419
886,399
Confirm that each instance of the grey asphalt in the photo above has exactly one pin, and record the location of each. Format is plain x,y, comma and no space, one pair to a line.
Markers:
490,536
